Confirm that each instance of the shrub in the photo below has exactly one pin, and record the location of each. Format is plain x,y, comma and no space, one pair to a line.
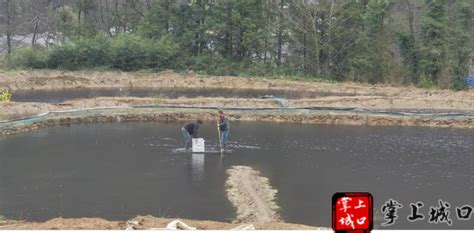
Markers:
130,52
32,57
5,96
63,56
425,82
164,52
81,52
459,83
93,52
211,63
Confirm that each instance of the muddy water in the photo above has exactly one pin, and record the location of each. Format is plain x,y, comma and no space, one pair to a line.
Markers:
120,170
57,96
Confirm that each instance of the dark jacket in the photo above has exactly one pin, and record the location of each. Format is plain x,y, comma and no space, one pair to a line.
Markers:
192,128
223,124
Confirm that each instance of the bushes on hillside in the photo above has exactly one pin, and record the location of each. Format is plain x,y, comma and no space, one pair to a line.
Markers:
35,58
126,52
131,52
81,52
63,56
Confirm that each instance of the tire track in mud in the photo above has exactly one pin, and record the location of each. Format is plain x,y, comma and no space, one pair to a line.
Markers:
252,196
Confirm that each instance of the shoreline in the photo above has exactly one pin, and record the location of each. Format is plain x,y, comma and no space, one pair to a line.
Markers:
58,80
126,114
142,223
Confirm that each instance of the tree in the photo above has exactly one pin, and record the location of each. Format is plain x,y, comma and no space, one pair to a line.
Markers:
9,7
379,37
359,40
156,22
460,41
434,35
85,23
282,30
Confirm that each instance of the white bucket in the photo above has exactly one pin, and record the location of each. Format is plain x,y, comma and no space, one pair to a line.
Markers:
198,145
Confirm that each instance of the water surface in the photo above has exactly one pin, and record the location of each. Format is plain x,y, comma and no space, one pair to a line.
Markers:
57,96
120,170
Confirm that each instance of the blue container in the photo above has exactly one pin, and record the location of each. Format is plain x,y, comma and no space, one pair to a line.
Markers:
470,81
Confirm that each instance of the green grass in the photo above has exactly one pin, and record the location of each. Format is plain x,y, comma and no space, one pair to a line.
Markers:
426,83
301,78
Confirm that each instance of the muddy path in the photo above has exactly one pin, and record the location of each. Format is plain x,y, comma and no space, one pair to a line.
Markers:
252,196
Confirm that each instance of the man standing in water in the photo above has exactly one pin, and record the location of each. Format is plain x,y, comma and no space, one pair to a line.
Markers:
223,125
189,131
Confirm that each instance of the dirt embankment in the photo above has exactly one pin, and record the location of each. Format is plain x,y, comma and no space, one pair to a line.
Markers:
252,196
375,96
47,80
15,110
290,116
144,222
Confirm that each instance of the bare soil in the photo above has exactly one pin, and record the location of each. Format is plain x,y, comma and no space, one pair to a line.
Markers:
376,96
252,196
144,222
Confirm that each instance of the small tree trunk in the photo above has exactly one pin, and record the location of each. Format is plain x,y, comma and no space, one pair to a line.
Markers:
79,20
331,12
471,66
9,29
411,16
280,34
228,51
304,53
167,21
125,19
33,40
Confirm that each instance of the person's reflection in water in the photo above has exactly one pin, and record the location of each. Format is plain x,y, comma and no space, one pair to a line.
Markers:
197,166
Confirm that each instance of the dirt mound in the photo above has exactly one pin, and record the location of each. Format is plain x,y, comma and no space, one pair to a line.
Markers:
252,195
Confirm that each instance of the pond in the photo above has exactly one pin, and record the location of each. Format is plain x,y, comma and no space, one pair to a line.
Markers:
119,170
57,96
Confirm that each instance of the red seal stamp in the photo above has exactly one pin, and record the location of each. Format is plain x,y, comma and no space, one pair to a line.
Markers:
352,212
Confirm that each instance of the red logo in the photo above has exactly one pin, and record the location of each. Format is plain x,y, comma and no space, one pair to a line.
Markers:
352,212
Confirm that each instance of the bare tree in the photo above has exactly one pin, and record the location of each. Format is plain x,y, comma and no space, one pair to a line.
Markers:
9,7
281,22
